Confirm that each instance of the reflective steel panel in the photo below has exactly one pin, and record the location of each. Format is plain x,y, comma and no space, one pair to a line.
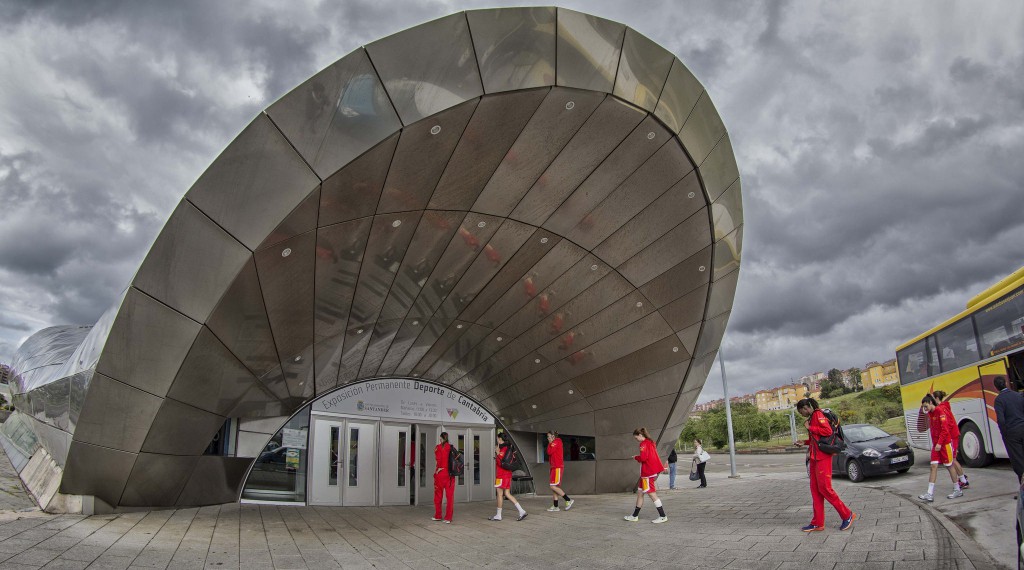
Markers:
156,480
116,415
588,50
711,335
180,429
687,310
254,183
191,263
286,279
719,170
727,253
660,383
702,129
212,378
680,279
727,211
678,97
353,191
681,242
722,293
301,220
648,360
643,69
515,47
240,322
428,68
215,480
98,471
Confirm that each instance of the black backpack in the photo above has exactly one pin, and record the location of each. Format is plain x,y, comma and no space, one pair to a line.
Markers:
834,443
510,460
456,462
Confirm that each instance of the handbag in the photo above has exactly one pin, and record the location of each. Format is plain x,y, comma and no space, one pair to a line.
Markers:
704,456
694,476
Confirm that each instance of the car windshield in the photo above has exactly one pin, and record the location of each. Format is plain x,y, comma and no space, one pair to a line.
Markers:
863,433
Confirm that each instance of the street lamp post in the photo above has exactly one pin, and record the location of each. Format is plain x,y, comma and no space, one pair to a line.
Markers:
728,418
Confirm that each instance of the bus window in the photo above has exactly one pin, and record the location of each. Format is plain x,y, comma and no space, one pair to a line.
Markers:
957,345
933,357
1001,326
912,363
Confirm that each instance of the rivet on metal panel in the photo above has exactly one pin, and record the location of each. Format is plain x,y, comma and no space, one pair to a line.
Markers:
360,331
458,326
534,406
502,418
286,252
675,349
690,195
435,129
482,225
536,361
543,240
415,323
701,268
650,135
298,358
568,107
593,267
571,392
500,339
396,223
639,304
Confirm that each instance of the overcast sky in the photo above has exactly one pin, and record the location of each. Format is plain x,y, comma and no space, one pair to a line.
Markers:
881,146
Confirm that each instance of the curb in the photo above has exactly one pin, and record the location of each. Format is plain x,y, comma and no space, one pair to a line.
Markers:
975,553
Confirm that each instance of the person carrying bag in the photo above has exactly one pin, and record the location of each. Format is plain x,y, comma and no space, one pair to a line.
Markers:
700,459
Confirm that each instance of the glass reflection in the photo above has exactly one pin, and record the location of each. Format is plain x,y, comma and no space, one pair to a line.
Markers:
279,473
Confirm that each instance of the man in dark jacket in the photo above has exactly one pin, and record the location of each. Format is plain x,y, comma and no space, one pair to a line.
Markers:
672,458
1010,417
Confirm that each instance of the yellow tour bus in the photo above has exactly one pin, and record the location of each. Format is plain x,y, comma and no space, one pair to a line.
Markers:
962,356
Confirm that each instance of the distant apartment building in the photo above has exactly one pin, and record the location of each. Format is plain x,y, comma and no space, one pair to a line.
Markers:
713,404
875,375
786,396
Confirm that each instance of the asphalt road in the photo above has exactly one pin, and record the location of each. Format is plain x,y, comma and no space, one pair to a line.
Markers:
986,512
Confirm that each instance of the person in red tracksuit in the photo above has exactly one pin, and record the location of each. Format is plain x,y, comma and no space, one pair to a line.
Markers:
940,397
557,461
503,478
942,447
821,469
650,467
444,484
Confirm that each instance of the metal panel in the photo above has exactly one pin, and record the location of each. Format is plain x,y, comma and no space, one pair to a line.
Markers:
684,404
55,399
97,471
180,429
719,170
515,47
639,146
698,373
353,192
678,97
643,69
116,415
424,149
689,274
581,334
648,360
156,480
727,253
339,254
147,344
428,68
668,166
301,220
536,248
610,124
337,114
711,335
496,124
215,480
212,378
561,114
254,183
688,336
686,310
588,50
727,212
660,383
723,292
475,335
191,263
683,241
444,341
625,418
678,203
702,129
240,322
76,397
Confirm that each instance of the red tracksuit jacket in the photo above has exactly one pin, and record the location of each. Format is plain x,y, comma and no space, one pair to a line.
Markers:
650,463
954,430
555,457
939,418
817,428
500,473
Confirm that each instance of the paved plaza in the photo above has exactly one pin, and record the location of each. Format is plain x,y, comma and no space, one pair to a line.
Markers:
751,522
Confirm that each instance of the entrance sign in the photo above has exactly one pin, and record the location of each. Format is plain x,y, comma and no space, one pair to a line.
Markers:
404,399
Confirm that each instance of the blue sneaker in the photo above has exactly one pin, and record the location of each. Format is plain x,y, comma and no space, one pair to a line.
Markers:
812,528
847,523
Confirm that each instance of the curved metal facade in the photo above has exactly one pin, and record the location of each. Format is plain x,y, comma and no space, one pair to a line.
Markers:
535,206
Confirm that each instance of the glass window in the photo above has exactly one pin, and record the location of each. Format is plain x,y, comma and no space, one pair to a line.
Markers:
913,365
462,448
401,458
476,460
957,345
933,357
279,473
423,461
1001,325
353,457
574,447
332,475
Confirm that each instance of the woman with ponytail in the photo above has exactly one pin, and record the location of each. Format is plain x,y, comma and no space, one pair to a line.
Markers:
556,459
650,467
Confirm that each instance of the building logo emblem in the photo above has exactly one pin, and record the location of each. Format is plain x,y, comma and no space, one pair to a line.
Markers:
360,405
452,413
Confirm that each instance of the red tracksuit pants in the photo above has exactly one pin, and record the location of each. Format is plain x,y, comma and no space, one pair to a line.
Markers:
443,485
821,491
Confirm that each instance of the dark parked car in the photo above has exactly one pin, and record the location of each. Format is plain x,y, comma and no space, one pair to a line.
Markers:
871,451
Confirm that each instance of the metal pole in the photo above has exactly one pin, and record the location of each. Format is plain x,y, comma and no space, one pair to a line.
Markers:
728,418
792,425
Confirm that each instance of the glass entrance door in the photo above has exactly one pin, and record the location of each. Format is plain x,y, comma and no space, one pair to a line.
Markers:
395,460
344,471
327,471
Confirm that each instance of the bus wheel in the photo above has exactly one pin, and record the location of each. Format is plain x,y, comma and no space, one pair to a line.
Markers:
972,446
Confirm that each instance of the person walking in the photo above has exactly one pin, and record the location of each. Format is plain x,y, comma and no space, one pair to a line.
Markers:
942,448
954,435
444,483
821,469
503,478
557,460
650,468
672,459
1010,419
701,457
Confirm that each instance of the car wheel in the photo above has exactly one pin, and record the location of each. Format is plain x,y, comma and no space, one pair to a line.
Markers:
903,470
972,446
853,471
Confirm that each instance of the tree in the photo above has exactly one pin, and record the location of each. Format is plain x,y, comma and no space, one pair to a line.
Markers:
855,379
833,385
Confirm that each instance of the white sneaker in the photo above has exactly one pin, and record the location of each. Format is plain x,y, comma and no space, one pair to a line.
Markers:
631,518
434,519
447,522
553,509
569,504
955,494
660,520
494,518
927,497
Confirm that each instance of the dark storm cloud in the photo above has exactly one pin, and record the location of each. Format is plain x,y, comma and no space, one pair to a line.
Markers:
879,145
